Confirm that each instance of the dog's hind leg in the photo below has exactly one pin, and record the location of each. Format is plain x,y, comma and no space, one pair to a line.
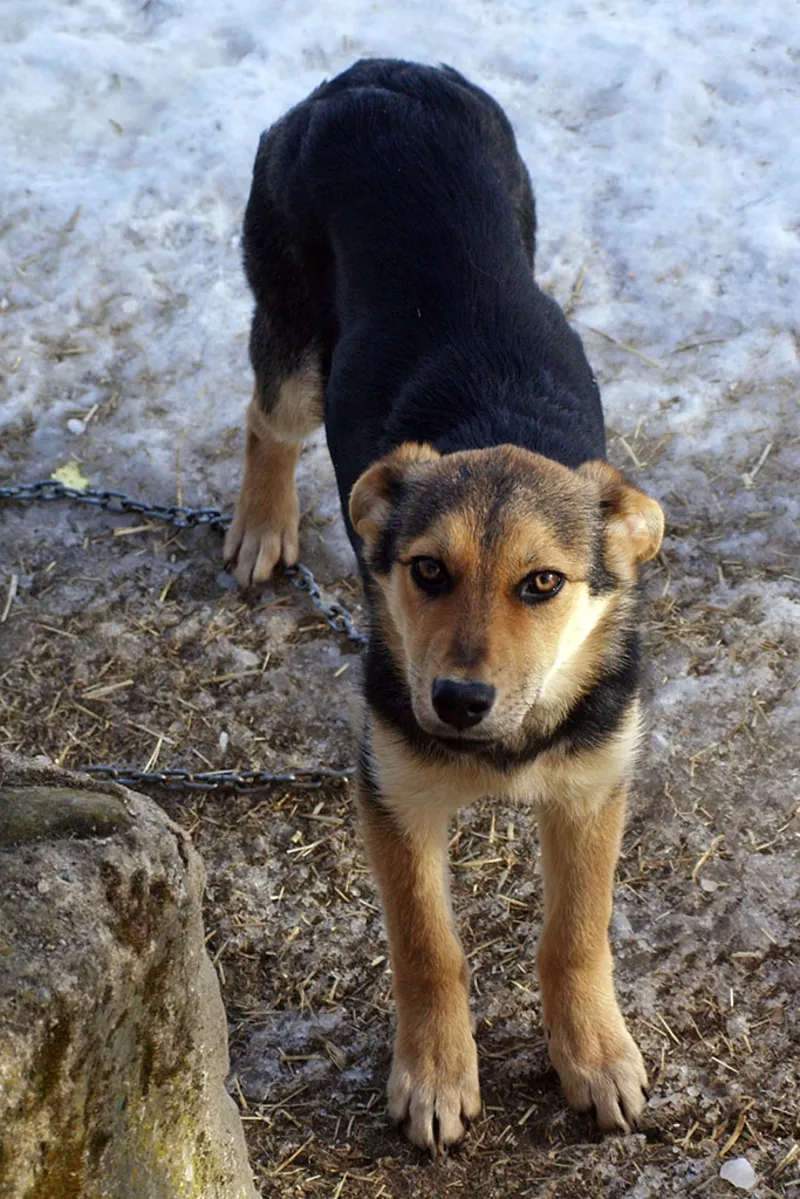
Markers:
288,271
265,527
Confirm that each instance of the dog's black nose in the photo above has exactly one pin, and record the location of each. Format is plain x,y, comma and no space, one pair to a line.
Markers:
461,704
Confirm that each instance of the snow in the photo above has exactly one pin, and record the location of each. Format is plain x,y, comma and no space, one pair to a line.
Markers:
660,140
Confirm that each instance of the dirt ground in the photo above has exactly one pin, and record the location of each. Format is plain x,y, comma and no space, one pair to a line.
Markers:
125,643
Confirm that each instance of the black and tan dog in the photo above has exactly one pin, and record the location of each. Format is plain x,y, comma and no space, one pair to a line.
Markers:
389,243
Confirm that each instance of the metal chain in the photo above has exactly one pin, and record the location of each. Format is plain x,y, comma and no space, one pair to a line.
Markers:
49,490
218,780
335,615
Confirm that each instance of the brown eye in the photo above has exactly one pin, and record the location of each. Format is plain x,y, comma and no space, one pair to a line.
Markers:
430,574
546,580
541,585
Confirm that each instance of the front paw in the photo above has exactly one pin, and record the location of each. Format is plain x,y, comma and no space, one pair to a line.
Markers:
433,1087
599,1065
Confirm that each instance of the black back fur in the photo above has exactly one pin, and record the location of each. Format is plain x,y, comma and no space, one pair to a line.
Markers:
390,235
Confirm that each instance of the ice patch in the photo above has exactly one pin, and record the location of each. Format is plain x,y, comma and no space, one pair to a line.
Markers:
739,1173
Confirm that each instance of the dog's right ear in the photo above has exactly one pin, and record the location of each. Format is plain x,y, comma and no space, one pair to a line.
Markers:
376,492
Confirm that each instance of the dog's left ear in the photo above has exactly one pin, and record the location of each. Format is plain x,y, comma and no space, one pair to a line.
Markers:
376,492
634,522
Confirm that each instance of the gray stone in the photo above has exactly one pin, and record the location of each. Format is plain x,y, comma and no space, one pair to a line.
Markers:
113,1041
36,813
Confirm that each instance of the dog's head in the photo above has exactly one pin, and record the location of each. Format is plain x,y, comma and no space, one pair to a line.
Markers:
503,575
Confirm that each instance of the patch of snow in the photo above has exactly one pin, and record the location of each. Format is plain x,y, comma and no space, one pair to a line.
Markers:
655,135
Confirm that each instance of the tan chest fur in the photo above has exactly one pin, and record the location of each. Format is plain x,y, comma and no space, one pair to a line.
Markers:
418,790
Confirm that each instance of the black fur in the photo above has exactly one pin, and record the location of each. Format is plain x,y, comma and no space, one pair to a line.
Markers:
390,236
390,232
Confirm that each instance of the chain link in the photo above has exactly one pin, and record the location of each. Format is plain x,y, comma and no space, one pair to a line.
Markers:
335,615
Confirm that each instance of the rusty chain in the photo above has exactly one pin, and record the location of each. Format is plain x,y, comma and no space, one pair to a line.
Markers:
335,614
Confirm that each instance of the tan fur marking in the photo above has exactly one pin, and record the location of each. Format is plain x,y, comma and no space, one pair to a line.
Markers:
596,1058
576,648
419,790
422,790
581,781
265,528
299,409
433,1088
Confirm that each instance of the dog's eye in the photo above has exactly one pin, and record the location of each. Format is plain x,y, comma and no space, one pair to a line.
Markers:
430,574
540,586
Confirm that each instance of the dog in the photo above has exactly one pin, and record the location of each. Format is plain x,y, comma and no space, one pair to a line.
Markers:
389,243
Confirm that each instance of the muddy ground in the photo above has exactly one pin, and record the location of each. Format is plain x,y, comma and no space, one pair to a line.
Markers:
125,643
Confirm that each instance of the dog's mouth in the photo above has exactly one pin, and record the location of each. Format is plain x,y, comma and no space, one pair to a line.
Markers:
452,737
458,744
462,740
468,745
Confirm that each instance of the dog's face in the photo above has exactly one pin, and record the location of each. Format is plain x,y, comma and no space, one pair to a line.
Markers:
501,573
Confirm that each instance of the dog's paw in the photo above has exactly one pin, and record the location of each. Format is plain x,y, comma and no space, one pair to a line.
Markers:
601,1069
433,1090
256,541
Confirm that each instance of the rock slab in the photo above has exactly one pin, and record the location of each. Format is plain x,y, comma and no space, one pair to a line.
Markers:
113,1039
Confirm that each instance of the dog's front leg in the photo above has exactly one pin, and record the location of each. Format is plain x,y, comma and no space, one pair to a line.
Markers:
433,1088
597,1060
